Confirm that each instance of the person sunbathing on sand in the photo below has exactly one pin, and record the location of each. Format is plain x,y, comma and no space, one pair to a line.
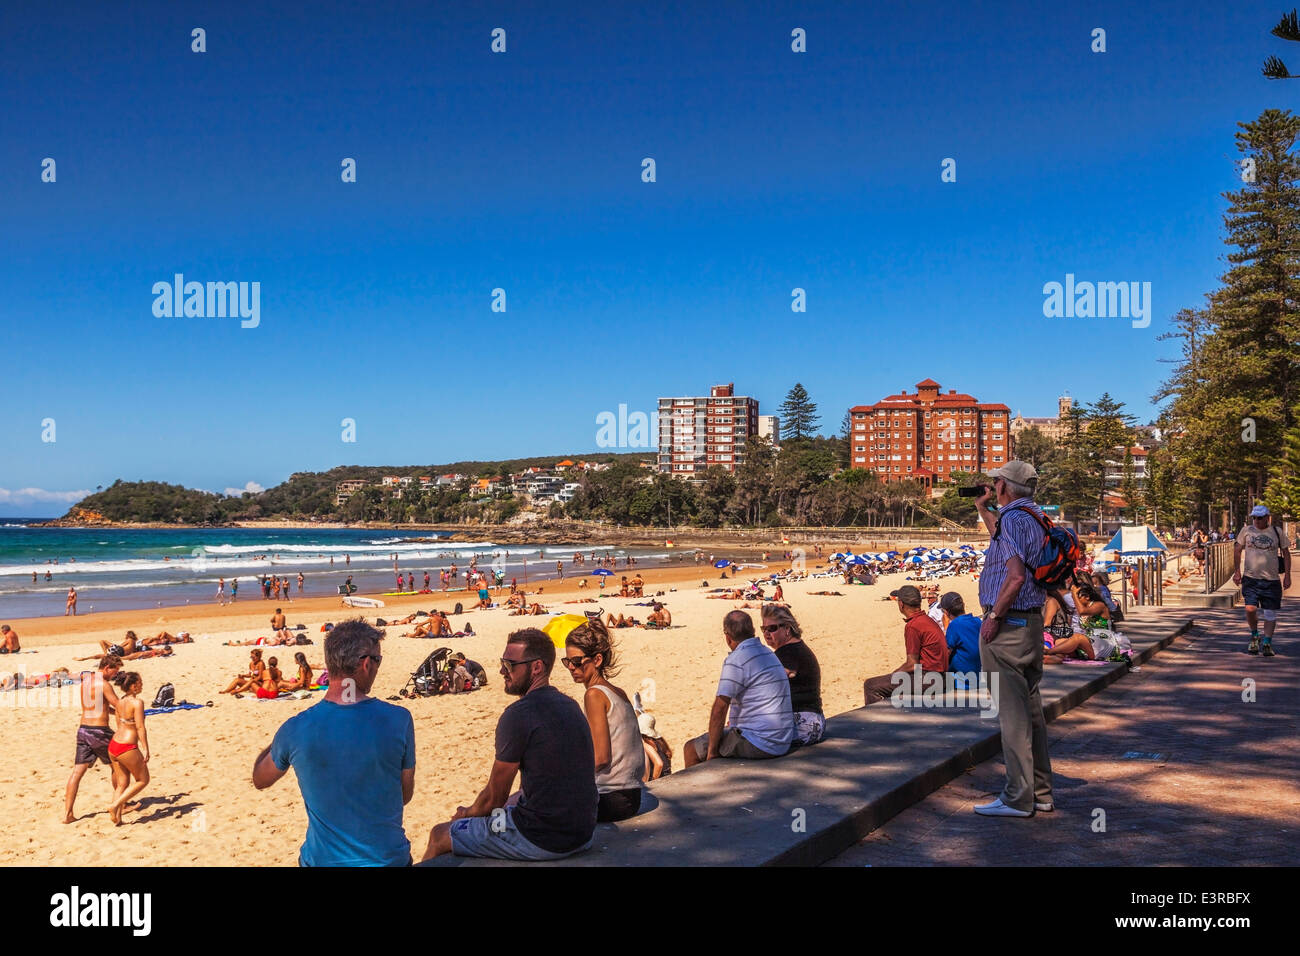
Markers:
247,681
830,593
129,645
430,628
732,595
269,680
304,678
164,638
280,628
164,651
128,751
282,638
660,617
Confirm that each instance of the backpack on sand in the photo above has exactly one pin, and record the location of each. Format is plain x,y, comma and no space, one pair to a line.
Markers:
166,696
1059,556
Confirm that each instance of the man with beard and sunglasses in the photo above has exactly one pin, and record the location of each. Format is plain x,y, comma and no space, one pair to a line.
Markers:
544,737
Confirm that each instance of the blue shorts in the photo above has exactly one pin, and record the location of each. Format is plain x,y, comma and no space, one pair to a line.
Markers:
496,837
1266,595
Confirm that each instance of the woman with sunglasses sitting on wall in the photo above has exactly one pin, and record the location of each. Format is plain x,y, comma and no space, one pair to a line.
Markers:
615,734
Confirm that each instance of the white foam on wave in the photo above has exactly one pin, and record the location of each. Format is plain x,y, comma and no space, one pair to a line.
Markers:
240,562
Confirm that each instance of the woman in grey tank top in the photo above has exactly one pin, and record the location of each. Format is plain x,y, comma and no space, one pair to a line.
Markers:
615,734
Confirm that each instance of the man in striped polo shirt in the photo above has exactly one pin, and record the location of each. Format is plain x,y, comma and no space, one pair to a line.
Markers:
755,690
1011,639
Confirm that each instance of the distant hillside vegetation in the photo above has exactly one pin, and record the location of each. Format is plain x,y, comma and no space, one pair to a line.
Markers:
157,501
312,494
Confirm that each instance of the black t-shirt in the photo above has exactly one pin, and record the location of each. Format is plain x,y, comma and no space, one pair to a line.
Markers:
546,733
476,671
806,684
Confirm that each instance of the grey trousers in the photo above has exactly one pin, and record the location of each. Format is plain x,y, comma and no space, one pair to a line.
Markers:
1015,656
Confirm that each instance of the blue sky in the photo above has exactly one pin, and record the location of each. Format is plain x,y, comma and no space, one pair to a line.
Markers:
522,171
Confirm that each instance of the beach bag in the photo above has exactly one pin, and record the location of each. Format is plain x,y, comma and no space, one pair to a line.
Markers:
166,696
323,679
1061,552
458,609
304,639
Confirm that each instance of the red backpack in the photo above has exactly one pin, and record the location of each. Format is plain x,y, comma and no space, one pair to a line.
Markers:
1060,554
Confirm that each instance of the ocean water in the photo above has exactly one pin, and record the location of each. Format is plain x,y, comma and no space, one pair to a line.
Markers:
118,569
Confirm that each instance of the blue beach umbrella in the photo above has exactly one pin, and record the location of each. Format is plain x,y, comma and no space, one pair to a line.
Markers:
858,560
603,572
724,563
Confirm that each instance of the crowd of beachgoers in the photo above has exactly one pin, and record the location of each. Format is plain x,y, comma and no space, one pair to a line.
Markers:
579,762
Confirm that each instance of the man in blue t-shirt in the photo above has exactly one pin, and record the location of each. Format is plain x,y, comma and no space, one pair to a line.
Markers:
962,633
354,756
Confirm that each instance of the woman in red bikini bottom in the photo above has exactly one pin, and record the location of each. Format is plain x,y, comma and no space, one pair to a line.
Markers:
270,678
129,748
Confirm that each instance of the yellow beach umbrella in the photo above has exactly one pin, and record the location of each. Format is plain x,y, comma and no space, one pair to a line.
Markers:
558,628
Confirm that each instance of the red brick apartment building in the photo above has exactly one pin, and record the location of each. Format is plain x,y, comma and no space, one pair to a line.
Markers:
696,434
929,436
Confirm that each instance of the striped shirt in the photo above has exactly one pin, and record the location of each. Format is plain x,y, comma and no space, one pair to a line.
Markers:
1022,536
755,681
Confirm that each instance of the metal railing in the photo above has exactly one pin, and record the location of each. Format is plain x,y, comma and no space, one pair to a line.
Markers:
1219,565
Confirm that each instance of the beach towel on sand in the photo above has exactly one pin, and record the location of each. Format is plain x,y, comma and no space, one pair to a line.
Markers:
150,711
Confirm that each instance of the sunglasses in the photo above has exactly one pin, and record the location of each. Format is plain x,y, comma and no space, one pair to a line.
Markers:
377,658
506,662
769,628
573,663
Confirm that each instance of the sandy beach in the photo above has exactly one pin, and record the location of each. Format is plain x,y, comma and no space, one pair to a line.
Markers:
201,807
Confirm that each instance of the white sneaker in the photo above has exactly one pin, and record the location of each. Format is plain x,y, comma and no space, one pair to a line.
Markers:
999,809
1044,807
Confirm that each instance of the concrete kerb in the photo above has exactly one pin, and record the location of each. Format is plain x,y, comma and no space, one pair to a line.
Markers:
806,808
1226,595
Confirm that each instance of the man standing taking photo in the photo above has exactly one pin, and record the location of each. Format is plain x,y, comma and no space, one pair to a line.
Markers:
1011,638
355,760
1267,575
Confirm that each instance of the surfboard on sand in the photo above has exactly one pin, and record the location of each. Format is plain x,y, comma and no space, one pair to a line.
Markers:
362,602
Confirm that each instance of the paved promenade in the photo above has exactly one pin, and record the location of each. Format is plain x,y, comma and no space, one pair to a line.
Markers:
1169,766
